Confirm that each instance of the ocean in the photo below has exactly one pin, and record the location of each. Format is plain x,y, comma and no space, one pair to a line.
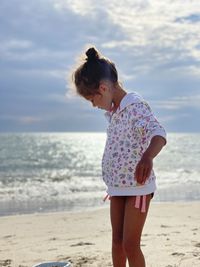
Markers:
47,172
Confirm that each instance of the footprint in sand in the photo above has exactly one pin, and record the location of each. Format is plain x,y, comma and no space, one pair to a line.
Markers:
82,261
164,226
5,263
197,245
194,229
196,254
8,236
53,239
51,249
177,254
162,234
82,244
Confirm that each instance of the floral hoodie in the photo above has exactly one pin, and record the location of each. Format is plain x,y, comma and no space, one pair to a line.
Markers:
129,133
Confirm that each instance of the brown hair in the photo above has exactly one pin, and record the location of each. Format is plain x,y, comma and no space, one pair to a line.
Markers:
88,75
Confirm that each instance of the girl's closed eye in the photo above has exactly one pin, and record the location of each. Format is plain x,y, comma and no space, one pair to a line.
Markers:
92,101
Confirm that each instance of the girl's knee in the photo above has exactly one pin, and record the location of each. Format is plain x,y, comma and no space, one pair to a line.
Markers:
131,248
117,241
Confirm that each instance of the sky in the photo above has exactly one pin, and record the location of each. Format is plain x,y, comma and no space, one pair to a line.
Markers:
155,45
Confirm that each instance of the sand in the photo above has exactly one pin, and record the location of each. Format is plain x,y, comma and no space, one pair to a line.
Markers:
171,237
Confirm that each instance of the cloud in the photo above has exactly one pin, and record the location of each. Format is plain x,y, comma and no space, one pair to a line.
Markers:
178,103
180,70
15,44
174,118
154,33
21,119
148,31
59,98
79,7
191,18
55,73
29,120
155,45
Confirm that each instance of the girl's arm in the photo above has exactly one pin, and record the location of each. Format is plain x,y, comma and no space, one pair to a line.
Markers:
155,146
145,165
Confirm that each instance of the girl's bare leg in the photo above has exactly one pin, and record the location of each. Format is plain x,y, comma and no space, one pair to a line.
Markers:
134,221
117,210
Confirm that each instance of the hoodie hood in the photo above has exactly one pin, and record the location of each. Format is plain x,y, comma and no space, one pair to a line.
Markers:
128,99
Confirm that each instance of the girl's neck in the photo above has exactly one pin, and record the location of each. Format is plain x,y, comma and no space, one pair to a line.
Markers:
118,94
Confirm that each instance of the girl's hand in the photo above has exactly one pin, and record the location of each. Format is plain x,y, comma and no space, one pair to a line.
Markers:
144,166
143,169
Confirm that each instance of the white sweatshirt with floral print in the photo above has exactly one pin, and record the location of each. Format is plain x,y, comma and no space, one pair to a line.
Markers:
131,128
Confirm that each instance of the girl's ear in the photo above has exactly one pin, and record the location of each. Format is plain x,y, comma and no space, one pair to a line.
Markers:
103,88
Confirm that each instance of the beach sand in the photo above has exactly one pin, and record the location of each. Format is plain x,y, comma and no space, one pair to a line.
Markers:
171,237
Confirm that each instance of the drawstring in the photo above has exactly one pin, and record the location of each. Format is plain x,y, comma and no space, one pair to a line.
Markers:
138,201
105,198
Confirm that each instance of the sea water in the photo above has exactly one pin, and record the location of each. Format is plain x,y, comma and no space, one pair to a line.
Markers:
42,172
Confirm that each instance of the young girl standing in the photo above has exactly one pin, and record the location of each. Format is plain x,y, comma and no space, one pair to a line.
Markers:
134,139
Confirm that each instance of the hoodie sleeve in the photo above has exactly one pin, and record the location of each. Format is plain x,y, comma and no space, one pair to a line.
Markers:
144,121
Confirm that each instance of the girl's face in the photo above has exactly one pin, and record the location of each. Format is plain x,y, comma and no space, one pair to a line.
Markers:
102,100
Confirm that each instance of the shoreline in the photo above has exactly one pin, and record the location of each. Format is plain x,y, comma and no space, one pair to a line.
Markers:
171,237
90,208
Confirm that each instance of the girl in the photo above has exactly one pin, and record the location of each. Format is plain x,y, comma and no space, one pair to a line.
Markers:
134,139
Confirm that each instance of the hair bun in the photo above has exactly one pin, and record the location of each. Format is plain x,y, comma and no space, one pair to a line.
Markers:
92,54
